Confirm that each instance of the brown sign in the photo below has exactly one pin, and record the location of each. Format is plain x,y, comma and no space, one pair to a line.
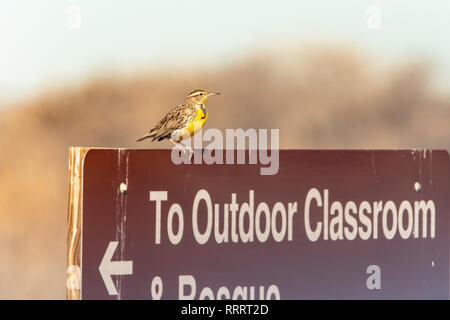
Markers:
344,224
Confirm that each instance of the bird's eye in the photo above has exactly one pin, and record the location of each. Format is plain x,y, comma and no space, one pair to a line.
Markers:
201,93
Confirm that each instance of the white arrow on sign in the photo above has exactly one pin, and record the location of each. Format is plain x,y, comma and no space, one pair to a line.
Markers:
108,267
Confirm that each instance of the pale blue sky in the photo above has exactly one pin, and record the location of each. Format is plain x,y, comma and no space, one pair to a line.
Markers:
38,50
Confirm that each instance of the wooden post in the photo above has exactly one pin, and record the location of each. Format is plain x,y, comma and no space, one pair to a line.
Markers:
73,271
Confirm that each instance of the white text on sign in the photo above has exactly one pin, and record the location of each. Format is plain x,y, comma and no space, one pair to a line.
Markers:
252,221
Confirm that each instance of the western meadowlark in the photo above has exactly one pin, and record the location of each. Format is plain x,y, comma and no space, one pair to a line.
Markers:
182,122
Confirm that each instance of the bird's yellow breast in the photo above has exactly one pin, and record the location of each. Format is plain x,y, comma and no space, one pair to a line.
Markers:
198,122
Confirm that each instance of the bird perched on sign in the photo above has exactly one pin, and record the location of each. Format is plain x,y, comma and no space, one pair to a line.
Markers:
182,122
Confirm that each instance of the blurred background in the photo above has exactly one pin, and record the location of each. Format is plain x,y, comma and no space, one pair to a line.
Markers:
328,74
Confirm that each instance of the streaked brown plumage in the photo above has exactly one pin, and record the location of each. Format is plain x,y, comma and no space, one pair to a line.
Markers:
177,118
183,120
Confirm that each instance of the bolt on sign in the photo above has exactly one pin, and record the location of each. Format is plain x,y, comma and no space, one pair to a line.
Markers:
345,224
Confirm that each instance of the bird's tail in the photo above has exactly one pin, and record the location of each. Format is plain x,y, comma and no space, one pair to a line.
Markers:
148,135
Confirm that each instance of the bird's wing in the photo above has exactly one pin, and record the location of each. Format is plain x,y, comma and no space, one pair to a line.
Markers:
177,118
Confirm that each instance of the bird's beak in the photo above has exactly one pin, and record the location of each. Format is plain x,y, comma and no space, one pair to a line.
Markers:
213,93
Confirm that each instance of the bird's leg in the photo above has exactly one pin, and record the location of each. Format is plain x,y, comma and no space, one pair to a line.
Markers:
178,145
187,147
184,147
174,143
